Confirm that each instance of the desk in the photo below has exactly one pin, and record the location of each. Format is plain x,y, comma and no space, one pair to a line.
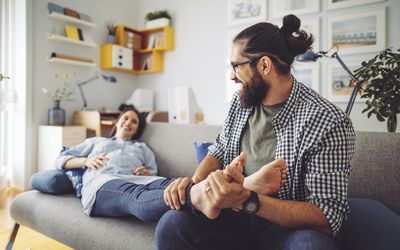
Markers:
97,123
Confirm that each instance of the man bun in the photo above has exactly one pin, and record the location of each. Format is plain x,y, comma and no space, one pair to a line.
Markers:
291,23
298,41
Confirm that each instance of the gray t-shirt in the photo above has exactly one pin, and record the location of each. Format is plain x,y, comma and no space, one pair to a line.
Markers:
259,138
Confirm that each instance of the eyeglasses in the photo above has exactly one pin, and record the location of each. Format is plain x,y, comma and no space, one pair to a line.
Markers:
251,60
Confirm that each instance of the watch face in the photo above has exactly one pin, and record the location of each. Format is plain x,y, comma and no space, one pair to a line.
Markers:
251,207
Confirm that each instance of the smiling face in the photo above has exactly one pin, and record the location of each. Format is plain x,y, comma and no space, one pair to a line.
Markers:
254,86
127,125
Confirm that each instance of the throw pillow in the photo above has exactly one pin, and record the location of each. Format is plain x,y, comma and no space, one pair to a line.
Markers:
201,149
53,181
75,176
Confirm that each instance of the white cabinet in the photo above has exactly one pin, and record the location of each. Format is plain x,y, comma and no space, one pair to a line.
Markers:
122,57
52,139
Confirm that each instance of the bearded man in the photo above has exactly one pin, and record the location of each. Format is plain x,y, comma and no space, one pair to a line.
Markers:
272,117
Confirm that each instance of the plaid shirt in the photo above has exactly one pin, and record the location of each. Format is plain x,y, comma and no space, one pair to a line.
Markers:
315,138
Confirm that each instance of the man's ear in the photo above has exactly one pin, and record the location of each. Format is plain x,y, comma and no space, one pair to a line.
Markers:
265,65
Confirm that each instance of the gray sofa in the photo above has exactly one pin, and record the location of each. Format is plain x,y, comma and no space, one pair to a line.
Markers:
375,175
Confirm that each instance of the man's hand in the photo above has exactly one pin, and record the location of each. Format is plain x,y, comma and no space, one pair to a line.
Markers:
97,161
141,170
225,193
174,194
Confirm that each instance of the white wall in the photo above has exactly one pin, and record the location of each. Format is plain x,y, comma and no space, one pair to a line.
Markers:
200,55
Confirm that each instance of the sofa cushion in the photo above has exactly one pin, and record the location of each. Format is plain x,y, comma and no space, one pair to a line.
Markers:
201,149
370,226
75,176
53,181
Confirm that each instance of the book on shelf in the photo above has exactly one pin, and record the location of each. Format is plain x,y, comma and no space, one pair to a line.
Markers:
80,35
146,62
152,39
71,32
156,40
71,13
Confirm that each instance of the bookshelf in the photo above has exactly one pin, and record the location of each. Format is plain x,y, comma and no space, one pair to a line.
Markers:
148,47
69,19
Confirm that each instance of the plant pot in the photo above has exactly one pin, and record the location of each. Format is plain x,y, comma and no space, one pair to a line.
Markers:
56,115
111,39
160,22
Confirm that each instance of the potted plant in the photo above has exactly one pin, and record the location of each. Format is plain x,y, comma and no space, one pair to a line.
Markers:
157,19
111,32
383,90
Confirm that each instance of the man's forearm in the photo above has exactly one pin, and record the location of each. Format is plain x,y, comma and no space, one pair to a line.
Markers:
207,165
293,214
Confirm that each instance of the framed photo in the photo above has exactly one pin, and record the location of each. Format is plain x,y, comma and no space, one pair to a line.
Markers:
308,74
312,26
339,85
357,32
280,8
246,11
337,4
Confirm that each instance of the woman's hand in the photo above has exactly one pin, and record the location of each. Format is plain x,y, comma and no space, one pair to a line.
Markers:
141,170
97,161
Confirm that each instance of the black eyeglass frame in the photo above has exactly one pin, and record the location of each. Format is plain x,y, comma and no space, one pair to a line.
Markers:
250,61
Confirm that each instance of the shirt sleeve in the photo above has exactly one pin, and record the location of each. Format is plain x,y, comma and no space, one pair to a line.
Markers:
80,150
328,173
150,160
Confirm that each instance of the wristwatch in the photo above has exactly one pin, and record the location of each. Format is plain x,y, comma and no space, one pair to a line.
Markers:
252,204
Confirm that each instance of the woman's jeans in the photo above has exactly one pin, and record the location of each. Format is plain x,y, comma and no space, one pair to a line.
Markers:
119,198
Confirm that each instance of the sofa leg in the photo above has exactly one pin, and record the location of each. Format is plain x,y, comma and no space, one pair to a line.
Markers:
13,235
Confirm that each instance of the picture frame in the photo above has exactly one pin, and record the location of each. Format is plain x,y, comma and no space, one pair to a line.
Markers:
280,8
357,32
335,4
337,87
246,11
312,26
308,74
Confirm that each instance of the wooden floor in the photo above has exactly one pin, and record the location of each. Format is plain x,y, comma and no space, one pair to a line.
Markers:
26,238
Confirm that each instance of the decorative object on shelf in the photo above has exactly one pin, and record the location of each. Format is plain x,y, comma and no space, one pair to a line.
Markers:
56,115
383,90
111,32
158,18
110,79
311,56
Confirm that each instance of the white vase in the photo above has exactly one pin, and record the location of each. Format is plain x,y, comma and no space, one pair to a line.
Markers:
160,22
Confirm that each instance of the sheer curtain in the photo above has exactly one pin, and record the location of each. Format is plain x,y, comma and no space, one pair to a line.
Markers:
7,93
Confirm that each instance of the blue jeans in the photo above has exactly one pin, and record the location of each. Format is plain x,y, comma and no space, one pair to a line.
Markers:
119,198
231,230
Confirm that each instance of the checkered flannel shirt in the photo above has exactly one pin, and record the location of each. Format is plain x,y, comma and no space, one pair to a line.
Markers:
317,141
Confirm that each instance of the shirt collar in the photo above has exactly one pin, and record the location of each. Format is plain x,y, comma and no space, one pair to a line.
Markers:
284,115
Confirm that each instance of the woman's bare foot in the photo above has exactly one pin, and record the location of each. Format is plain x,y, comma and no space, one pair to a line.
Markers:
268,179
236,165
200,200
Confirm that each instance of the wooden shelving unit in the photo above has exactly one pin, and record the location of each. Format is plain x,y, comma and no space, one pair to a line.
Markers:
153,56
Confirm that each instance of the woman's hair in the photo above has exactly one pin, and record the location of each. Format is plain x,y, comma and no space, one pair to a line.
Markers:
142,122
281,45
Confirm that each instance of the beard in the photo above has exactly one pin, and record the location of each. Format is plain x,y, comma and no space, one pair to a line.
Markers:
253,93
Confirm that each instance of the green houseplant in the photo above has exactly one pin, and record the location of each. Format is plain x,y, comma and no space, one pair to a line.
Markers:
383,89
157,19
110,31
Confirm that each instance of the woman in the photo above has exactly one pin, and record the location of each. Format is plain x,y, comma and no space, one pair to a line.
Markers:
119,170
120,177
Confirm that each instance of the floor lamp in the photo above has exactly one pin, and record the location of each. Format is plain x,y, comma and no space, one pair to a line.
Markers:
109,79
312,56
